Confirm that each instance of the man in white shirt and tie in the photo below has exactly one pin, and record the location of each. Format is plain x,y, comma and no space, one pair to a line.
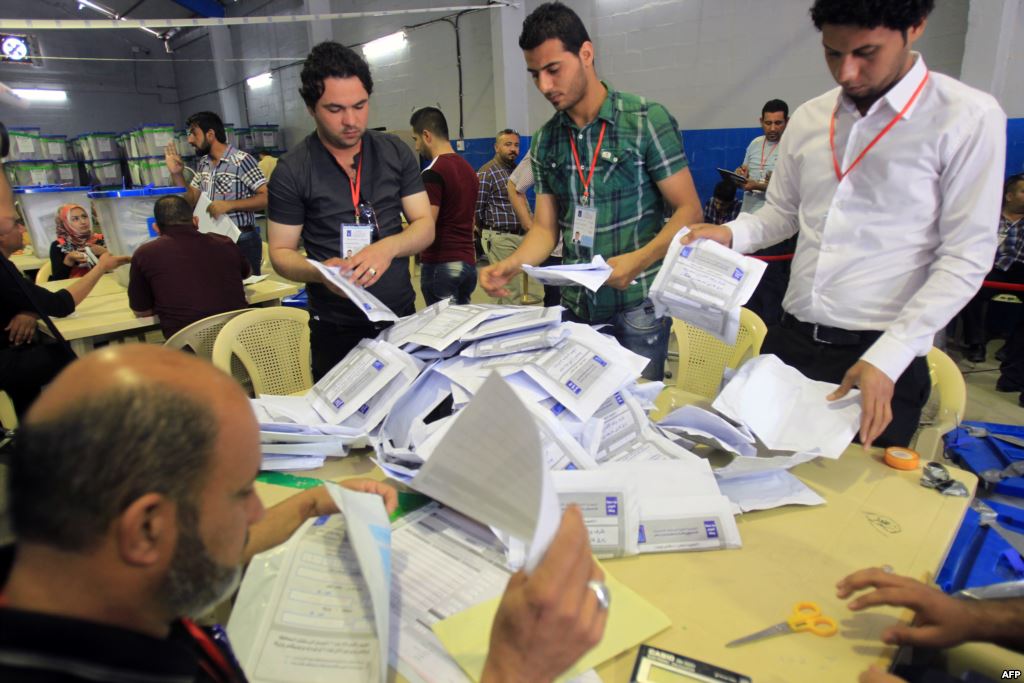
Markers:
892,182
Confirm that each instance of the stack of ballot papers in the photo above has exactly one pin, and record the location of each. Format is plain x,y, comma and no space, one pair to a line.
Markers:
705,284
339,411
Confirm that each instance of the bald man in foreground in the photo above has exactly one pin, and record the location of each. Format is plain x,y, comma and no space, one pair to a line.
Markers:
133,506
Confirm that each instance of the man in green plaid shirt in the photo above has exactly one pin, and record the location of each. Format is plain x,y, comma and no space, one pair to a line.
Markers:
631,167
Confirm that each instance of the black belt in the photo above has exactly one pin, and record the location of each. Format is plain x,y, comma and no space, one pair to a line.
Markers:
517,231
823,334
247,228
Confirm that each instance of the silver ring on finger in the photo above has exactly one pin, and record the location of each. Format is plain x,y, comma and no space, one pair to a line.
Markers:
604,596
372,272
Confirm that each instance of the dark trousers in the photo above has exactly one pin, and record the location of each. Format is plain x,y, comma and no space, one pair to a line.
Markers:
251,245
974,313
330,342
25,370
552,293
455,280
829,362
766,300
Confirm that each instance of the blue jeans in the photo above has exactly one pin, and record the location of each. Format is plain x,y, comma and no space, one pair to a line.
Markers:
252,248
442,280
639,330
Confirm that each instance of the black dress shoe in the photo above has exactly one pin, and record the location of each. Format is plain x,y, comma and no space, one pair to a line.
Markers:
1001,354
1004,384
976,353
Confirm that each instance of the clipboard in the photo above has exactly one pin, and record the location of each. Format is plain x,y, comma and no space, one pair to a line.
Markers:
734,177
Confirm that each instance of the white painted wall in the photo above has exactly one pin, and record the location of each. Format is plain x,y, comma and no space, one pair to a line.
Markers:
101,95
714,63
994,53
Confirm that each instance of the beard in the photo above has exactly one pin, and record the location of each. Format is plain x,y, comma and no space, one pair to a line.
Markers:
195,582
203,148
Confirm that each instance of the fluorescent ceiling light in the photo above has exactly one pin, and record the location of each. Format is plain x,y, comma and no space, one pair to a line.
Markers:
37,95
113,15
261,81
384,46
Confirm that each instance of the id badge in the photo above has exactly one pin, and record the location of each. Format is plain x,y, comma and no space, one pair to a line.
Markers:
355,236
584,224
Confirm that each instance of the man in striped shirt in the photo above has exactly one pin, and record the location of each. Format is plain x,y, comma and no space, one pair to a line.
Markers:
500,230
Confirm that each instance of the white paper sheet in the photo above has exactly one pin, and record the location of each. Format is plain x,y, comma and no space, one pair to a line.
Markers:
704,284
444,563
369,531
492,469
373,307
590,275
219,226
620,431
710,428
400,331
522,318
768,490
304,613
610,504
788,411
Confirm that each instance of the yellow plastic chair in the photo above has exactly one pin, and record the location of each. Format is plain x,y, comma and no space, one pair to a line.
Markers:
8,418
272,345
200,335
703,360
948,382
44,272
265,266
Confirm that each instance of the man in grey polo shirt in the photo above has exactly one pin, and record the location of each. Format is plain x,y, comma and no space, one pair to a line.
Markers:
343,173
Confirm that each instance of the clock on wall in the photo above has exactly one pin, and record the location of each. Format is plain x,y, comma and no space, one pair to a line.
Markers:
17,49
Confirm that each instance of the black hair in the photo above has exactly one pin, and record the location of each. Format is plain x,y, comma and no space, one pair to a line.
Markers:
1011,183
429,118
331,60
553,20
72,475
772,106
897,15
172,210
725,191
208,120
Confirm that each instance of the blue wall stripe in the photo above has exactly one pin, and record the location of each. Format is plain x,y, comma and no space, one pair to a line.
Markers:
716,148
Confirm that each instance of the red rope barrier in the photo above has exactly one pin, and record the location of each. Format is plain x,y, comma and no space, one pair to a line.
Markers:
780,257
1005,286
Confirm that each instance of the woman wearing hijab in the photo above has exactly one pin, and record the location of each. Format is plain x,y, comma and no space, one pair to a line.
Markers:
74,235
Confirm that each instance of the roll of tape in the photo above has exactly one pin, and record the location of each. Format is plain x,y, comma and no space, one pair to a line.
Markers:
902,458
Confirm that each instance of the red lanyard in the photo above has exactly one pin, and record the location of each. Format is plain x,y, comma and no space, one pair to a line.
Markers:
224,670
774,150
832,132
593,164
354,187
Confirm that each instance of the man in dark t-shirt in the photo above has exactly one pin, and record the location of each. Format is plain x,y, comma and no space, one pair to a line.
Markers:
449,264
344,174
185,275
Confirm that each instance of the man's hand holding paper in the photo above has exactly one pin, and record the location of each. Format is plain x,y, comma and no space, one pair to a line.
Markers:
876,391
549,619
625,268
367,266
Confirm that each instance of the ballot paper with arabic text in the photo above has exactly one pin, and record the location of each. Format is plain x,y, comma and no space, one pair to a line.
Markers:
704,284
316,608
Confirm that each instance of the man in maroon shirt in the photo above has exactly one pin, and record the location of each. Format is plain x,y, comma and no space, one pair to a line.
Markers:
184,275
449,264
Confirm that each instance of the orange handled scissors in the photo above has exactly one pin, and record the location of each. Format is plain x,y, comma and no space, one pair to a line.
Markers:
806,616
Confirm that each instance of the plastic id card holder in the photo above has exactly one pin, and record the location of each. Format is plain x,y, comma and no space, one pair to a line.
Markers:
355,236
584,225
661,666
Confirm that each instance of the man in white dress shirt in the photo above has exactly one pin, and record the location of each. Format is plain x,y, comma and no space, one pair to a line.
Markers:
892,182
